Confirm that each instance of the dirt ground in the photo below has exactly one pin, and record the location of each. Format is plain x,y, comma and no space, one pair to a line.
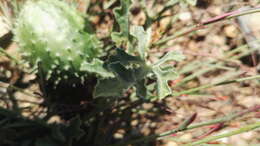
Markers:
212,43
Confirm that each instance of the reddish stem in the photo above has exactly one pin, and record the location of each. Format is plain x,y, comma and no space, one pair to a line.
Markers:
215,128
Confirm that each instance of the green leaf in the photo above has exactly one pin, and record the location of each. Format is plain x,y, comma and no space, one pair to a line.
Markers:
118,38
124,58
163,76
122,17
97,67
143,37
110,88
141,90
128,71
165,73
122,72
124,79
170,56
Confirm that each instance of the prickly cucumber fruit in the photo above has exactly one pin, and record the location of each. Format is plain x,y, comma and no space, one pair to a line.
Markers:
51,37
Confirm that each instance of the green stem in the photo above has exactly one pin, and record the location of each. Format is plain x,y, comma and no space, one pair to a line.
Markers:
2,51
215,84
215,121
245,12
176,35
227,57
193,126
17,89
228,134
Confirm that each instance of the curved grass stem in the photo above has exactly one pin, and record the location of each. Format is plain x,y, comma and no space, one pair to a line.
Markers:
228,134
225,16
193,126
189,91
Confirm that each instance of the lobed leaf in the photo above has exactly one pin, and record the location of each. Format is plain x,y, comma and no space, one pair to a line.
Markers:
166,73
122,17
128,71
143,37
97,67
170,56
163,76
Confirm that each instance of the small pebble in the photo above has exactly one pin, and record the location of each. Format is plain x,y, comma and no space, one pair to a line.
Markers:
231,31
134,122
186,137
171,143
185,16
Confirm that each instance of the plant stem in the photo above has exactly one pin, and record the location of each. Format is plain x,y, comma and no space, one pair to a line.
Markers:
235,132
193,126
215,84
228,56
178,34
215,121
202,25
244,12
2,85
2,51
224,119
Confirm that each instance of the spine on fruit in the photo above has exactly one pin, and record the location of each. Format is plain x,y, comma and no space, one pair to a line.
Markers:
51,35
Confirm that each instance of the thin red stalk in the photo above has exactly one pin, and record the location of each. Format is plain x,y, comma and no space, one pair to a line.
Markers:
216,127
193,126
220,17
202,25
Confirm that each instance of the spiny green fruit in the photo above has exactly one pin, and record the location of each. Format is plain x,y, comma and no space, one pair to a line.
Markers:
51,37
